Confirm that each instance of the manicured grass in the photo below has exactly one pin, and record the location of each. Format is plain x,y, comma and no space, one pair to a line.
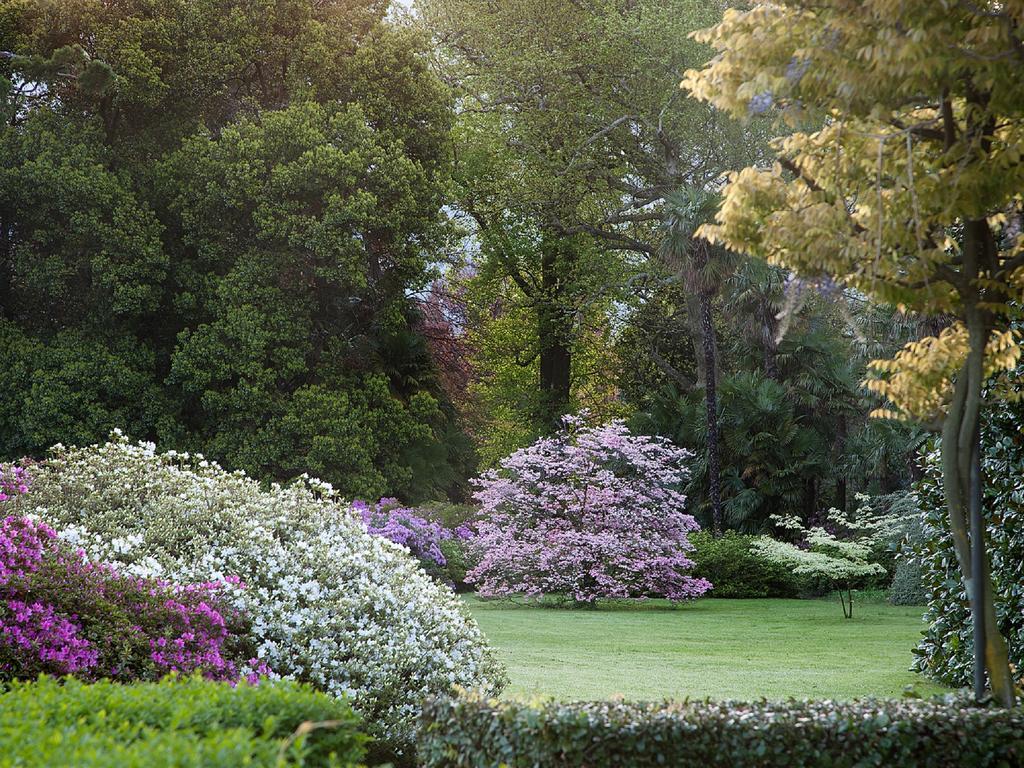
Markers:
738,649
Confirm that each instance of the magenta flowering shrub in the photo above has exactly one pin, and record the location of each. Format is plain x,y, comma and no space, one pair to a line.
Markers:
62,615
589,513
388,518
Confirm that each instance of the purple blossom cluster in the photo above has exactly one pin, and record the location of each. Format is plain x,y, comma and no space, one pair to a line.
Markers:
14,480
61,615
588,513
388,518
38,630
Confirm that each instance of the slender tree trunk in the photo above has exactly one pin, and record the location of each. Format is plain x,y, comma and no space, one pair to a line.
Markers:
709,355
711,407
693,316
960,447
840,452
553,337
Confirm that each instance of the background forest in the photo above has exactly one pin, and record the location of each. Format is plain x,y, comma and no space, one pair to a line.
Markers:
389,251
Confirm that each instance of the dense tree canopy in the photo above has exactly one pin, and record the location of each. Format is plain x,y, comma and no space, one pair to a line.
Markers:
216,248
221,224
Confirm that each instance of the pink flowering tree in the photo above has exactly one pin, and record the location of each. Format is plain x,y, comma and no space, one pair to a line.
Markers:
586,514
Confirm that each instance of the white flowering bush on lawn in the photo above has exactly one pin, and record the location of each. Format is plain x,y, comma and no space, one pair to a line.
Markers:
844,554
331,604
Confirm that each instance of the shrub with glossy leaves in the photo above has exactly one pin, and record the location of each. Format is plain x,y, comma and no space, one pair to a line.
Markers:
948,733
177,723
592,512
331,604
946,652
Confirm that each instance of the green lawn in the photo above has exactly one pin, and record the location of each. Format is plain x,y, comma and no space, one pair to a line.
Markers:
738,649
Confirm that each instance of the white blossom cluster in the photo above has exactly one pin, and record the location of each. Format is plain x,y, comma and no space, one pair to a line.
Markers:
331,604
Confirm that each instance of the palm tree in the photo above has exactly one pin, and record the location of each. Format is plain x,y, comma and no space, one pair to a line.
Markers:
701,266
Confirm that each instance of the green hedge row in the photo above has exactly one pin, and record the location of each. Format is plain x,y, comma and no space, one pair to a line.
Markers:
472,733
189,723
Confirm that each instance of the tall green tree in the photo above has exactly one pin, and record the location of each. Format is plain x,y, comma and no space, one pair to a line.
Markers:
574,128
217,248
907,187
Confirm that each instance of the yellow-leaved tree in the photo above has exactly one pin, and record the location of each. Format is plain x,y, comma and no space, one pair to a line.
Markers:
901,177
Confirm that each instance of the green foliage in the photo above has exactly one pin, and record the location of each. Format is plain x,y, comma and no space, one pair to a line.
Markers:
946,651
793,434
736,571
460,558
907,587
216,248
908,577
179,723
472,733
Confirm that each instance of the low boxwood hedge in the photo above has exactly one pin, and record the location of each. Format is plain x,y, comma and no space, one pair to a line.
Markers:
187,723
473,733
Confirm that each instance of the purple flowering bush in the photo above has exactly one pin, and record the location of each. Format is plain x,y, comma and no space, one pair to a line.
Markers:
586,514
445,553
63,615
422,537
14,480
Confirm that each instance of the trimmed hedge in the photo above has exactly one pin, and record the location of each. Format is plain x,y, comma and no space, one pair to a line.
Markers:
184,723
474,733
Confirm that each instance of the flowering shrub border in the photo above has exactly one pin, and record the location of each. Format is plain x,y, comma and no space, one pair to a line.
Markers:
61,615
331,604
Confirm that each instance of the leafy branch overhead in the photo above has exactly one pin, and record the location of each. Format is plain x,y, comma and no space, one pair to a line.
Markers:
901,178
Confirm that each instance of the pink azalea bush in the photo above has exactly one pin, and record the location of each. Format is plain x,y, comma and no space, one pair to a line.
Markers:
588,513
62,615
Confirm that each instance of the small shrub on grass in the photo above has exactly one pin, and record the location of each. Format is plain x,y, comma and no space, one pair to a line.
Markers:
473,733
737,571
460,558
184,723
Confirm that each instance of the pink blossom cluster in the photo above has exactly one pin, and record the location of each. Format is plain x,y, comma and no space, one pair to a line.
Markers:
60,614
37,629
588,513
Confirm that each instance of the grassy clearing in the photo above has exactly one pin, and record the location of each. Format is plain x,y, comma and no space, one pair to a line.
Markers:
740,649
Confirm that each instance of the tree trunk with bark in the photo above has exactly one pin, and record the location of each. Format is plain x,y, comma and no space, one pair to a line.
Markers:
961,438
554,334
709,355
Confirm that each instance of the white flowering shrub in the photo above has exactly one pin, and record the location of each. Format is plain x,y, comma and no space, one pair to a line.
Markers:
846,553
331,604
